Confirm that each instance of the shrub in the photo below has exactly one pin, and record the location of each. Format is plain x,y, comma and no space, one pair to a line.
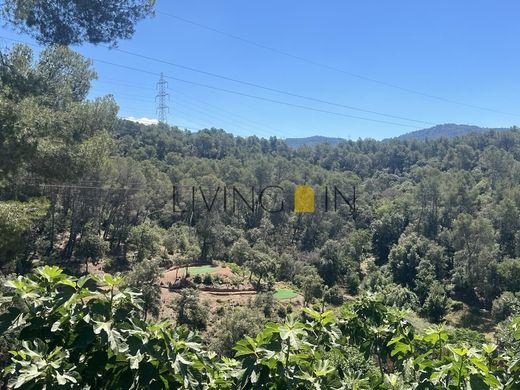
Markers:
466,336
86,333
400,297
265,302
363,371
208,280
235,325
333,296
506,305
281,312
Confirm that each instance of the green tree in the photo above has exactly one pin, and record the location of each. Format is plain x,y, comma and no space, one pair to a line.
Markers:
386,232
190,310
17,220
425,278
333,263
400,297
91,247
406,255
506,305
436,303
233,326
144,278
241,252
74,22
146,240
508,272
182,241
261,265
311,286
508,224
474,241
333,296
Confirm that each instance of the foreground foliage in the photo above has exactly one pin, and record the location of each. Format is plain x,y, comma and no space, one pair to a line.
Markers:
87,333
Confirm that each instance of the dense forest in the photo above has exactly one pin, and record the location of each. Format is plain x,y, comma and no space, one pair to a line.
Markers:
409,280
435,230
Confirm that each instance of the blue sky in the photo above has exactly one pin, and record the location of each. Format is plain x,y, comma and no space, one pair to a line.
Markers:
461,51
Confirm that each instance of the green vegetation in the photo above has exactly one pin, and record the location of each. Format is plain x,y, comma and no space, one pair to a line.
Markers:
434,238
444,131
85,332
284,293
203,269
73,22
435,229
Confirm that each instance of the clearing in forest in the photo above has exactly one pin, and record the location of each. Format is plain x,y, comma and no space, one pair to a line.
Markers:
284,293
203,269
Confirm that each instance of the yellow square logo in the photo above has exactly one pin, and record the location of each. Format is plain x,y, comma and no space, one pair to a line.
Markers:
304,199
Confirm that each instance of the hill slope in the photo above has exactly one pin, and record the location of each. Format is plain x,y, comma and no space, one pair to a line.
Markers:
312,141
446,130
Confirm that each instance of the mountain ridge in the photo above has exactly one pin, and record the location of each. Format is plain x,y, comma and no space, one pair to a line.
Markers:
312,141
446,130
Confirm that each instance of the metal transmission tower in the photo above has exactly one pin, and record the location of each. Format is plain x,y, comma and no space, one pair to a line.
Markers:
162,98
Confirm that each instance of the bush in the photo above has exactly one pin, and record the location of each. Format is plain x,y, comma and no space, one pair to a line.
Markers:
266,303
334,296
197,279
233,327
506,305
86,333
219,279
281,312
400,297
352,282
208,280
466,336
354,363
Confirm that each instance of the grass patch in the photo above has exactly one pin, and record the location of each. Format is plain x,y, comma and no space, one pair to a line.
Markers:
202,269
284,293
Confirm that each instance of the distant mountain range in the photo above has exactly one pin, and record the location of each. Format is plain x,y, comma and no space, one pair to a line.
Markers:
312,141
446,130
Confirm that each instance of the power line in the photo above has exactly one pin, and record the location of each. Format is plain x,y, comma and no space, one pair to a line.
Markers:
214,107
333,68
210,115
250,84
226,112
219,117
244,94
200,104
255,96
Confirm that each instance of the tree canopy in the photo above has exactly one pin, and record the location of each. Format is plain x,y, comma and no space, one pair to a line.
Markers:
72,22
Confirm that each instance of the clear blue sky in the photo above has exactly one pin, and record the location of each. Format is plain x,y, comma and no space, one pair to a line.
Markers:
465,51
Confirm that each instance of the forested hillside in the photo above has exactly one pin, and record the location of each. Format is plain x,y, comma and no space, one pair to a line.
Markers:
312,141
150,257
446,130
435,232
